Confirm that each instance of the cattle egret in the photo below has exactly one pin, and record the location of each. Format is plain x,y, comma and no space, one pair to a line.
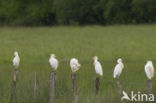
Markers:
149,69
74,64
118,68
98,67
53,61
16,60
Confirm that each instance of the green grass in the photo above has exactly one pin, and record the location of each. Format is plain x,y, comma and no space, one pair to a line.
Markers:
135,44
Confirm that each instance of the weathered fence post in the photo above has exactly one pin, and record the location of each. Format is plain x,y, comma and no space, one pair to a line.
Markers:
35,85
14,85
149,86
119,86
75,91
97,84
52,86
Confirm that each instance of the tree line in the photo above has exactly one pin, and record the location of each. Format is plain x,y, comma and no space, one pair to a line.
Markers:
76,12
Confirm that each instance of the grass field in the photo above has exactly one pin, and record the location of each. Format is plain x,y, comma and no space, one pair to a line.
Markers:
135,44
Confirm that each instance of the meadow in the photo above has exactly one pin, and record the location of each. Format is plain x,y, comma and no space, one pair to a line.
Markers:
135,44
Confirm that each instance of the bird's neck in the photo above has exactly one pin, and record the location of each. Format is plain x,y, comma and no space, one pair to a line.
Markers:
95,61
121,64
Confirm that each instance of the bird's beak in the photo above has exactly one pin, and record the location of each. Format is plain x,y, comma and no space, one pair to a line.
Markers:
79,65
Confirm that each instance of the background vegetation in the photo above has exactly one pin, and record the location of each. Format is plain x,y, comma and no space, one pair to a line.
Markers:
134,44
76,12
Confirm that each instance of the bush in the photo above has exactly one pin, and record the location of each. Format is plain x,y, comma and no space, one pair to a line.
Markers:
144,11
76,12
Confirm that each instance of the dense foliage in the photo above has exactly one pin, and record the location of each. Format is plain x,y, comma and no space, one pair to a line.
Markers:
76,12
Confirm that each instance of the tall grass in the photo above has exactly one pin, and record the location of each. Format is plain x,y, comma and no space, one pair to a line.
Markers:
135,44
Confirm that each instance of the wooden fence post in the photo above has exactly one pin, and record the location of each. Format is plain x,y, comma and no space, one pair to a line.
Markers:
75,91
97,84
35,85
119,86
14,85
52,86
149,86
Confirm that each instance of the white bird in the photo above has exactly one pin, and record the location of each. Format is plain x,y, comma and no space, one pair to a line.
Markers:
125,96
53,62
149,69
16,60
74,64
118,68
97,66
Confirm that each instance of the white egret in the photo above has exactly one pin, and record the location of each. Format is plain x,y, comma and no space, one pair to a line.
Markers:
16,60
149,70
74,64
97,66
118,68
53,62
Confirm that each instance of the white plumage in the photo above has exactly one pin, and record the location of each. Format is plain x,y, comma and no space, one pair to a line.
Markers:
53,62
16,60
118,68
149,70
98,67
74,64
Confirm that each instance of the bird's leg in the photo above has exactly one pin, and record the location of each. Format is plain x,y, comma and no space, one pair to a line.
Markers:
149,86
119,85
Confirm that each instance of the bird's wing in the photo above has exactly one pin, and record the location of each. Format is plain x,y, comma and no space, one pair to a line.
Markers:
147,71
56,63
99,68
16,61
50,61
116,71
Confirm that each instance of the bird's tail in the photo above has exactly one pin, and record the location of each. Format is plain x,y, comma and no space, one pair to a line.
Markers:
101,74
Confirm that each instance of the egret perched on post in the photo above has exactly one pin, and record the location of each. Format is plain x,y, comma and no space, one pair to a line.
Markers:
117,71
53,62
149,70
74,64
16,60
99,71
118,68
97,65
